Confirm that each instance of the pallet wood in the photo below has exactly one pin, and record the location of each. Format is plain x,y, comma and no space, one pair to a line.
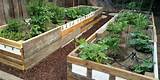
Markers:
11,43
113,71
40,41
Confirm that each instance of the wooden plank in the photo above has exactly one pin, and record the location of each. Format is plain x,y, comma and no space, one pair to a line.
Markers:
111,77
4,61
94,21
3,26
11,54
2,17
6,9
108,69
37,43
89,73
11,59
155,54
10,43
69,30
41,54
15,8
69,67
23,8
67,38
20,8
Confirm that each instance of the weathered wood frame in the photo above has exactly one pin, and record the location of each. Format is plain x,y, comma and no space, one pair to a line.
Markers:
35,49
113,71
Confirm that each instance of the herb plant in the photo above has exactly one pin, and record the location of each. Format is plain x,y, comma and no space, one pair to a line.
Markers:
145,66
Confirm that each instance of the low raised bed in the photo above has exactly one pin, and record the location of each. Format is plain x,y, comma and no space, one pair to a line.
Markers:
112,70
25,54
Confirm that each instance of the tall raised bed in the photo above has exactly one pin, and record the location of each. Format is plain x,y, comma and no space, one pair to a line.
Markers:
25,54
114,71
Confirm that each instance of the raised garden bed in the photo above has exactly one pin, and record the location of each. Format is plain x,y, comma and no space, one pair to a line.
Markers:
110,50
24,54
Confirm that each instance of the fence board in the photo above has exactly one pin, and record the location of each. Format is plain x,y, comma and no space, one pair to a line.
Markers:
12,9
2,17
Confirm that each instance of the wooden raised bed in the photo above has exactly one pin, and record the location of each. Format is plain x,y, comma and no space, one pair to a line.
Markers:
25,54
109,69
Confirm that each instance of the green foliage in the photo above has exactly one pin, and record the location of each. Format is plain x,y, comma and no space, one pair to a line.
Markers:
141,21
72,13
134,5
92,51
138,20
117,27
57,14
112,42
84,10
14,25
141,42
13,30
39,20
36,7
145,66
36,30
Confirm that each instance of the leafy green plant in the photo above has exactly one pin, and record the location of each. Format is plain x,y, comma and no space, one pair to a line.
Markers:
71,13
36,7
84,10
117,27
111,41
92,51
36,30
141,22
145,66
13,30
58,14
141,42
134,5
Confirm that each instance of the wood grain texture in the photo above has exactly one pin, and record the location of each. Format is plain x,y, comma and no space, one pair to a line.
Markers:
10,63
41,41
16,8
10,43
2,17
41,54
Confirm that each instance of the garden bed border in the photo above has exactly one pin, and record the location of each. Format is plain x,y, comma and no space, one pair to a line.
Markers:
113,71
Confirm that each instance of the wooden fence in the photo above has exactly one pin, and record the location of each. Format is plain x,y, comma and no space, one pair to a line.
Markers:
11,9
